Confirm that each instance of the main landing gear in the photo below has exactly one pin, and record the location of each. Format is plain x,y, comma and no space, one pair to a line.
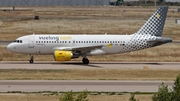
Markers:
31,59
85,61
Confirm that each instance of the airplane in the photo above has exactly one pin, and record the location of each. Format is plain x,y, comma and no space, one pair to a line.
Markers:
66,47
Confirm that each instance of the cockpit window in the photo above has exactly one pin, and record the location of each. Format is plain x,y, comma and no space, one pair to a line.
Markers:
18,41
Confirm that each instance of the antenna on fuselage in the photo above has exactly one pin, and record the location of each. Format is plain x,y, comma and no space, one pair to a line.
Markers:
105,33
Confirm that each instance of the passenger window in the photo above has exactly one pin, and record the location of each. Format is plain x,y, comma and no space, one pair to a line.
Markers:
20,41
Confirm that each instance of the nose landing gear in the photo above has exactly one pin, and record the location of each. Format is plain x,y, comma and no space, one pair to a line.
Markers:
31,59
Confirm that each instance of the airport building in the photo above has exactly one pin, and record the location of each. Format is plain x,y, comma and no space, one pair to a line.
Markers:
21,3
54,2
172,0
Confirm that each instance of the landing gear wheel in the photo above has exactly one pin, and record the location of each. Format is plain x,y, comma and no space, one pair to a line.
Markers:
31,61
85,61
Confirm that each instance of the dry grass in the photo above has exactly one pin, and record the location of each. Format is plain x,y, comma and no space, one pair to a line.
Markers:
27,97
81,20
42,97
142,97
86,20
88,74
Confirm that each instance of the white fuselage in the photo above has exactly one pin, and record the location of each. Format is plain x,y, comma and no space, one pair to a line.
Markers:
46,44
110,44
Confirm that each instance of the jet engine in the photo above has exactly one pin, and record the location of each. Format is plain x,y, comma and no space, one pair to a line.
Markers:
64,55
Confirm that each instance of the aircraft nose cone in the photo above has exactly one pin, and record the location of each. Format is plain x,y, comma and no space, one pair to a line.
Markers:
9,47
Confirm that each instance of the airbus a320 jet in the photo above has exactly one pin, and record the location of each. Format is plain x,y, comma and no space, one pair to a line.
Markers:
67,47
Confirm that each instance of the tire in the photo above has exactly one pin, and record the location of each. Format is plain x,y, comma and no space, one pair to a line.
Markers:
31,61
85,61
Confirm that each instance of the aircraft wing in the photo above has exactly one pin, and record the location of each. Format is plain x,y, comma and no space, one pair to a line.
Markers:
83,49
87,48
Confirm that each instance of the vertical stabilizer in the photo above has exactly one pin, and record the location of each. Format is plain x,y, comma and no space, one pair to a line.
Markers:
155,24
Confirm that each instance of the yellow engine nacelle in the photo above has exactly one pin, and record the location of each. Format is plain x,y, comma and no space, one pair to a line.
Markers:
63,55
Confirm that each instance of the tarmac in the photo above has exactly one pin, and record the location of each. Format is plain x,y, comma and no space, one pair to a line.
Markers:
81,85
79,65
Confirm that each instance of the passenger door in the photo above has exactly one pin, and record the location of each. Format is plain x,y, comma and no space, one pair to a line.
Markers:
31,42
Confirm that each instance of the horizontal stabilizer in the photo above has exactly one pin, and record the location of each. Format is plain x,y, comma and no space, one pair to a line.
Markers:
159,40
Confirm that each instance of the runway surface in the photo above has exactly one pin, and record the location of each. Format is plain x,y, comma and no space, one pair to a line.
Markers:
5,42
72,65
81,85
